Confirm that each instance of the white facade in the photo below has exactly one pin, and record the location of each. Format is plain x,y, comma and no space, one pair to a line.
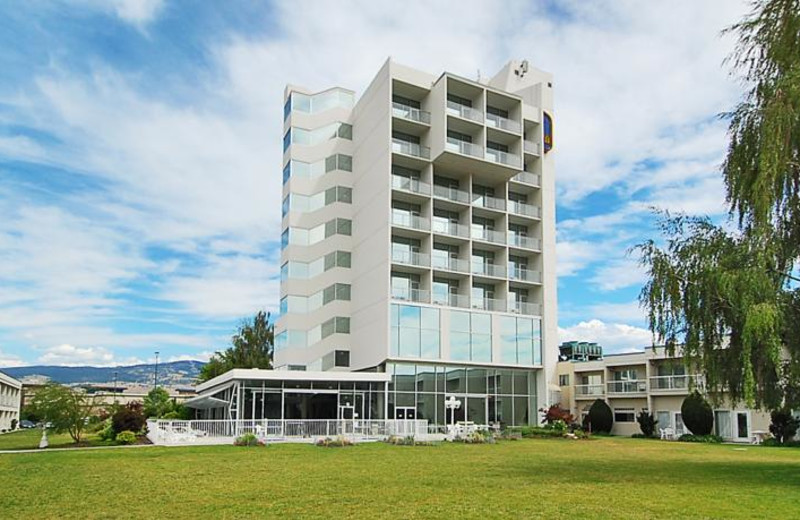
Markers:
419,234
10,401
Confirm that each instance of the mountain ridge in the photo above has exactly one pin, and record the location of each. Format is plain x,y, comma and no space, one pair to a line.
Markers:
169,373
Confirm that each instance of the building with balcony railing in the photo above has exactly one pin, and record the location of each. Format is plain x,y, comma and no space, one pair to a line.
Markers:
436,278
652,380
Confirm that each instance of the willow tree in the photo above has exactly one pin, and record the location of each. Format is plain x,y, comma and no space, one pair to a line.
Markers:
729,297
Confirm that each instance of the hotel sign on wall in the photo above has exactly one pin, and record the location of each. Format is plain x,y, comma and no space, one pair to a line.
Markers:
548,132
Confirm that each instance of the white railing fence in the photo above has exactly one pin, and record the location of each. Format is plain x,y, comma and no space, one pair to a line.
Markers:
221,431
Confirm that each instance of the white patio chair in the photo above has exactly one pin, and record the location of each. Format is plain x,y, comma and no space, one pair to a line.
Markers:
667,434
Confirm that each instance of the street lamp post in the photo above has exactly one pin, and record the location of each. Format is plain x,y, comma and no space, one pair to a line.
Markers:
155,379
452,404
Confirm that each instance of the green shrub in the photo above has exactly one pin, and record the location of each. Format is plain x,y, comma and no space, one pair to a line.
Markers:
107,433
247,439
600,417
783,426
13,424
776,443
126,437
647,423
697,414
710,439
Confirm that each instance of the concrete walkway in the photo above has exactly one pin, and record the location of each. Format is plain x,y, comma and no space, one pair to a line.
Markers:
81,448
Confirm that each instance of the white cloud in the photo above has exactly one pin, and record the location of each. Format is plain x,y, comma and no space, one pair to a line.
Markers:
200,356
135,12
619,274
614,337
10,360
70,355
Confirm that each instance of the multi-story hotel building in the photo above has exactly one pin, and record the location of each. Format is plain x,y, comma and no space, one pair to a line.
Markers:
654,381
419,240
10,401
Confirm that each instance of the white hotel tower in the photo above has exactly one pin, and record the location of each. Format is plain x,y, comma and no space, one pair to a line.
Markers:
419,240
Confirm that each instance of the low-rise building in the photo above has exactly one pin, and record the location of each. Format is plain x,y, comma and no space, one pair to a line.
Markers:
10,401
654,381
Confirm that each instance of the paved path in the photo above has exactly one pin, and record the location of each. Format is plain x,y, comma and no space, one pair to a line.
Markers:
82,448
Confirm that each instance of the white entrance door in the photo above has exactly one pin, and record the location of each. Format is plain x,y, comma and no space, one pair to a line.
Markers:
677,420
405,416
722,424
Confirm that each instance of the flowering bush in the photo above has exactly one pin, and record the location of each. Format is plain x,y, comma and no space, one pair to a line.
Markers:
248,439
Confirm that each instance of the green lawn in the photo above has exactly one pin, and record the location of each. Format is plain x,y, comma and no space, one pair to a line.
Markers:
601,478
29,439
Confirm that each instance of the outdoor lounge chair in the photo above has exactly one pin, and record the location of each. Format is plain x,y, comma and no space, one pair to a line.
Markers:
667,434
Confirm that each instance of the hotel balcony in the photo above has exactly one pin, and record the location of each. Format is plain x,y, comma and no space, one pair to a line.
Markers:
488,235
524,242
410,221
411,295
532,179
411,185
500,157
464,112
451,194
464,147
452,300
451,264
524,209
532,148
411,258
450,229
589,391
525,275
486,269
638,386
503,123
410,113
526,308
489,304
409,148
483,201
676,384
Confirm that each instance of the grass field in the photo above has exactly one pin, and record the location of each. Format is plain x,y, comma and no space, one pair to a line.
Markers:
29,439
601,478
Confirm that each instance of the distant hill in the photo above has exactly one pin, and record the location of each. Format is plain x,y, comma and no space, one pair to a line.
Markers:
175,373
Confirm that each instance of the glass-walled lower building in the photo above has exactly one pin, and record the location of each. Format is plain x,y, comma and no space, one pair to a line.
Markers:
488,396
502,396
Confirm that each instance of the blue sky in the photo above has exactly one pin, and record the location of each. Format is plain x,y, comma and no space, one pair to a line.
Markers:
140,151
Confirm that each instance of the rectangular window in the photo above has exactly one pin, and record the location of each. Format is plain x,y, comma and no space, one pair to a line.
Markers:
625,415
287,172
287,140
563,380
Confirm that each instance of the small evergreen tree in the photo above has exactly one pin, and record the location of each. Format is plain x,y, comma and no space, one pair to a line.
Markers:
601,419
252,347
783,426
697,414
647,423
157,403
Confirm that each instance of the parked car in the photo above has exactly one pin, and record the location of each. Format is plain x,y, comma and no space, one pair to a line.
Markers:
27,424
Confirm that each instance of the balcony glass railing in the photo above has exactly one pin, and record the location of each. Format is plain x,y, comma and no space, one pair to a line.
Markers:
411,113
410,184
450,264
526,308
449,193
590,390
531,147
636,386
525,275
501,157
400,256
409,148
489,304
502,122
678,383
451,229
410,221
524,242
464,148
488,235
411,295
484,201
487,269
534,179
451,300
525,209
464,111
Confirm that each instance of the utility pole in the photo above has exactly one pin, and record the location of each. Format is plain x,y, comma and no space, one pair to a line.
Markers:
155,379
